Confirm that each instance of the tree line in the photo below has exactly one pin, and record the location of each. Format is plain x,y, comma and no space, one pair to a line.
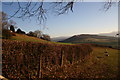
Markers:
8,29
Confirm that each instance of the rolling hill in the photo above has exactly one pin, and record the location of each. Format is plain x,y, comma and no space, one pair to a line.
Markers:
56,39
95,39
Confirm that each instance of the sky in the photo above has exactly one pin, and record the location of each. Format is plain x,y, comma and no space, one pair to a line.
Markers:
86,18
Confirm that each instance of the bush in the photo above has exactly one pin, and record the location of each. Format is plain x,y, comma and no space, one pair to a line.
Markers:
19,31
12,28
31,34
6,34
45,37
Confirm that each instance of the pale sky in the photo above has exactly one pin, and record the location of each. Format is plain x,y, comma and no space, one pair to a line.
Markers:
88,17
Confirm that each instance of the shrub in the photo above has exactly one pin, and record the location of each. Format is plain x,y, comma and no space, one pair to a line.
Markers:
45,37
20,31
12,28
31,34
6,34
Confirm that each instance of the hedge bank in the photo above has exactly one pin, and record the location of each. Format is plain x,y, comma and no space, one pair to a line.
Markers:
32,60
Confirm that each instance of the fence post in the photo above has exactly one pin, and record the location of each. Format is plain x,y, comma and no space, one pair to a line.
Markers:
62,56
41,66
39,73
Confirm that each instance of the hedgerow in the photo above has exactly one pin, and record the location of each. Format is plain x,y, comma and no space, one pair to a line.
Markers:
38,60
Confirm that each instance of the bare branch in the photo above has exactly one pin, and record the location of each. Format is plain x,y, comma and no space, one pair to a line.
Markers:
37,9
108,5
63,7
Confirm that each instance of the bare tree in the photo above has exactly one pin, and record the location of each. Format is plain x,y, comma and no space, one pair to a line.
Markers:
4,20
38,9
38,33
109,4
5,23
11,22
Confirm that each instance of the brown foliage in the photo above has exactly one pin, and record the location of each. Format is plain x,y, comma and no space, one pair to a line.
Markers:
21,59
6,34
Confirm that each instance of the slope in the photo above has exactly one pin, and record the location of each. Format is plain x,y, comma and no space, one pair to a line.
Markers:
23,37
96,39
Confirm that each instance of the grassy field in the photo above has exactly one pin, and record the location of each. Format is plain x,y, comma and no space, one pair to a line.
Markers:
109,63
22,37
97,65
101,66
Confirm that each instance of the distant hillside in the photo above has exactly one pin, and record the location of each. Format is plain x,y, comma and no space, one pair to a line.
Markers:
89,38
55,39
97,39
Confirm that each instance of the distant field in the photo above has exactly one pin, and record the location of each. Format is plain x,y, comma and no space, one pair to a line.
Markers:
107,44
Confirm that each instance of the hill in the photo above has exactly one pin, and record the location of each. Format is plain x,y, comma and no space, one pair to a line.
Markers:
55,39
23,37
95,39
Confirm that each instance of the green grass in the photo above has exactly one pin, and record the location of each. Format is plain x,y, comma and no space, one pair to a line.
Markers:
101,65
113,44
22,37
96,67
112,59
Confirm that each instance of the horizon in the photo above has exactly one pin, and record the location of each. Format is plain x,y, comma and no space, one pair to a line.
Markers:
112,34
87,18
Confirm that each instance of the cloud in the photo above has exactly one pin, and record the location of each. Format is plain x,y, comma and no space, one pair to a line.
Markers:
109,34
